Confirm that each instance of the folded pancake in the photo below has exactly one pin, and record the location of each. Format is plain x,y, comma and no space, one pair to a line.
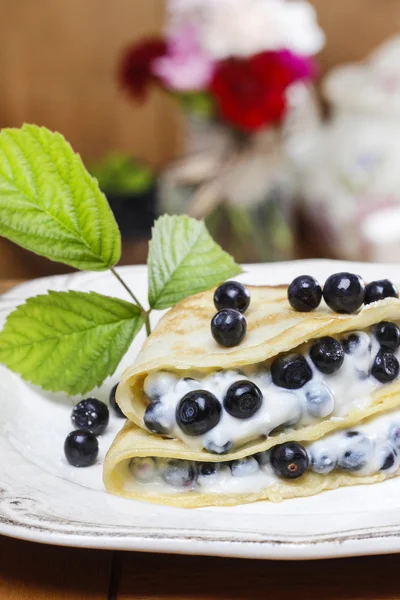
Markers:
143,467
181,356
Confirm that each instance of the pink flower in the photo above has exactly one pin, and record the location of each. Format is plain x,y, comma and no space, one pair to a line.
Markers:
185,67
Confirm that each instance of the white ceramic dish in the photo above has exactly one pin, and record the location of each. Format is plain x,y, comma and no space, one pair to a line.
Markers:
44,500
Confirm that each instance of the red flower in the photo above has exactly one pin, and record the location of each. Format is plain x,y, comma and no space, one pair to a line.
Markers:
250,92
135,72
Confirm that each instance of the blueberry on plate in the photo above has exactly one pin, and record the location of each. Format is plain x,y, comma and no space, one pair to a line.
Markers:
289,460
386,367
114,405
154,418
198,412
214,448
92,415
143,469
388,335
304,293
81,448
327,355
378,290
320,401
244,467
322,460
290,371
177,473
232,294
228,327
243,399
358,451
344,292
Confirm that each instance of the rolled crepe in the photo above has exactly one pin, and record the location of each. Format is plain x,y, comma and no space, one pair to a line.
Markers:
182,344
134,443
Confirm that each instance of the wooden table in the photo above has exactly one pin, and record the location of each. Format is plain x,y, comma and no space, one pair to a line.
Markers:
31,571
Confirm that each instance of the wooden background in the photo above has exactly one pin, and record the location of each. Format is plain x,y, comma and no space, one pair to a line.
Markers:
58,60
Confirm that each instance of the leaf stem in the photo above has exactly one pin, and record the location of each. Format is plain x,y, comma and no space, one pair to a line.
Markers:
147,322
122,282
136,301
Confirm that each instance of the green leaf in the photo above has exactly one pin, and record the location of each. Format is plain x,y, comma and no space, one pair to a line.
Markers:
50,204
68,341
183,260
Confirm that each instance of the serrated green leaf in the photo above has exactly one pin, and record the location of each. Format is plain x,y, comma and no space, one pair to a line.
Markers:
68,341
183,260
50,204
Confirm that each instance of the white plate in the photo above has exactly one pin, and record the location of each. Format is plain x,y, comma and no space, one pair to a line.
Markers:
45,500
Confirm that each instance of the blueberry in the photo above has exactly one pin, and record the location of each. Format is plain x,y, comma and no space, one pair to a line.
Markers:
217,449
153,418
263,458
198,412
327,355
321,460
208,469
243,399
304,293
289,460
390,460
228,327
320,401
143,469
178,473
232,295
158,384
357,453
81,448
351,434
388,335
386,367
290,371
114,405
244,467
344,292
91,415
378,290
394,436
357,343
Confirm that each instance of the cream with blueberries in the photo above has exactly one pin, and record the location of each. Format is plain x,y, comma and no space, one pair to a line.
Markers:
366,453
325,379
222,401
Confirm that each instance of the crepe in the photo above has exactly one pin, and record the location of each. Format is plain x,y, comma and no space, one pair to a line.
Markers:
182,342
132,442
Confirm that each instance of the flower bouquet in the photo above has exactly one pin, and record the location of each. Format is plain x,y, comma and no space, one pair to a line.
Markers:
240,69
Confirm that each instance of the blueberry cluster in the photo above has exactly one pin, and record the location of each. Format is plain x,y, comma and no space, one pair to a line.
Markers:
90,417
228,325
353,451
342,292
288,461
199,411
292,371
357,450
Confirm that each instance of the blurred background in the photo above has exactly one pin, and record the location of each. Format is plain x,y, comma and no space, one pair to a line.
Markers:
278,121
